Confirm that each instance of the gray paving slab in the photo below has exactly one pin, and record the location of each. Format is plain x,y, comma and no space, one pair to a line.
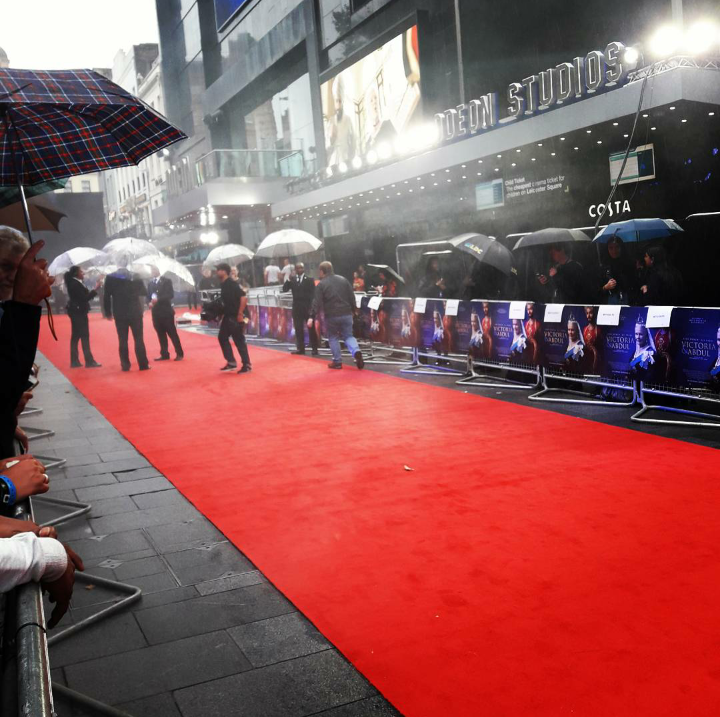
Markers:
212,612
206,615
157,669
303,686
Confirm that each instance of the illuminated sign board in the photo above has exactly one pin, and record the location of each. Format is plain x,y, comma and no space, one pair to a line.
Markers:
555,86
226,9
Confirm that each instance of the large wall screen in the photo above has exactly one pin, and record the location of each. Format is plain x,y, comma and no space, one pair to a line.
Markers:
225,9
374,101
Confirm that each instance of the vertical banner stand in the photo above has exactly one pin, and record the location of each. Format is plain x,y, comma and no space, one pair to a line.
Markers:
542,395
473,379
688,395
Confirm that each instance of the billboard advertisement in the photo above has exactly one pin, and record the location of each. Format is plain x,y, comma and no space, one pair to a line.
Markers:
374,101
225,9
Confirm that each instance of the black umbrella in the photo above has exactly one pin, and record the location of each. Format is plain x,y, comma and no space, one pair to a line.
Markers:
486,250
387,271
545,237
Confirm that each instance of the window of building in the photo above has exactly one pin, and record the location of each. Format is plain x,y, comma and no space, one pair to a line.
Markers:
133,185
143,180
119,196
68,186
86,186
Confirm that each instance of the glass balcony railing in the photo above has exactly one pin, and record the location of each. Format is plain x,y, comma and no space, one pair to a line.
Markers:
260,163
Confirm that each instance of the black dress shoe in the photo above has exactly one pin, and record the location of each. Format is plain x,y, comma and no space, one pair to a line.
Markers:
162,358
359,361
75,364
125,368
335,364
245,369
94,364
180,357
298,353
315,353
145,368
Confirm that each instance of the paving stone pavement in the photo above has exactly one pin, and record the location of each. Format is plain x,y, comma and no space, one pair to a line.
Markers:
210,635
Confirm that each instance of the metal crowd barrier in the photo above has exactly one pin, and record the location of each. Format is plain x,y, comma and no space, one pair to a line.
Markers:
688,396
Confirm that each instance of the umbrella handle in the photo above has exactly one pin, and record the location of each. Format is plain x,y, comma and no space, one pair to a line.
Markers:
26,212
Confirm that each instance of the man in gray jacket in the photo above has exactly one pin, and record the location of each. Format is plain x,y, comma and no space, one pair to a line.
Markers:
335,299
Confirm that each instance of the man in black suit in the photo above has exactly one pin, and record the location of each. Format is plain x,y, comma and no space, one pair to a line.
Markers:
78,308
124,300
303,292
160,296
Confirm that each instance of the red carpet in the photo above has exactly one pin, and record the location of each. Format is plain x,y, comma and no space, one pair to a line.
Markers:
531,564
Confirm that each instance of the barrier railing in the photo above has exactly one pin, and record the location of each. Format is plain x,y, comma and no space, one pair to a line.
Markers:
574,342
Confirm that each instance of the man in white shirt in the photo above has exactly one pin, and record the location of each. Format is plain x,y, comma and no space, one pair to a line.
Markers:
272,274
287,270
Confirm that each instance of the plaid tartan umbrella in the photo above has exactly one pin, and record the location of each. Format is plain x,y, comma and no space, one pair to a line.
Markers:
56,124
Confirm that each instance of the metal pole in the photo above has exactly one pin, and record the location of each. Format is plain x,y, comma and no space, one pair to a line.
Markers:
458,40
677,12
33,663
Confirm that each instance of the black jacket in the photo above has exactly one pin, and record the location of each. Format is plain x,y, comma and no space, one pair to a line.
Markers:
124,296
162,287
303,293
230,294
334,296
79,297
19,332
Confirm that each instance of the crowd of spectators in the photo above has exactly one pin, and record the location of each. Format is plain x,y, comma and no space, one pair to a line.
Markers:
27,551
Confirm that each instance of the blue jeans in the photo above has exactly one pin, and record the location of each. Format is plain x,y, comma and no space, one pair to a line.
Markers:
341,328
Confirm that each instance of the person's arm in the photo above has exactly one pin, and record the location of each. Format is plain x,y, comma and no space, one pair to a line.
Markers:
317,304
25,557
287,286
349,295
241,309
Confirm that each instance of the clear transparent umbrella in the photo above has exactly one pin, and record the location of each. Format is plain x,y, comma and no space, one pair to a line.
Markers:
288,242
79,256
230,253
129,247
174,270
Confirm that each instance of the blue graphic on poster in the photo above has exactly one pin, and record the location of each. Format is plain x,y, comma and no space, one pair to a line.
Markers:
264,321
629,349
397,315
432,333
694,348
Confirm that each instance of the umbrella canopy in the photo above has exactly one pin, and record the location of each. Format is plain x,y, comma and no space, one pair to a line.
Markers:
79,256
637,230
10,195
129,247
288,242
486,250
229,253
544,237
60,123
43,219
171,268
387,271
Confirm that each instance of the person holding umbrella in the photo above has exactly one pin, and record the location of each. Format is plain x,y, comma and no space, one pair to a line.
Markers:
566,278
124,299
160,296
78,308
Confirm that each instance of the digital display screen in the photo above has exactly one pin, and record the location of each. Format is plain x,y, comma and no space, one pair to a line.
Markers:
640,165
225,9
373,102
489,194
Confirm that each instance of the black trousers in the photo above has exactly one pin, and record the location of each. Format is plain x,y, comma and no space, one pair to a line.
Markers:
300,317
80,332
192,299
230,329
134,324
164,325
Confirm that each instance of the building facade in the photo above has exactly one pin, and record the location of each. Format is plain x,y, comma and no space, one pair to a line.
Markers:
373,123
132,193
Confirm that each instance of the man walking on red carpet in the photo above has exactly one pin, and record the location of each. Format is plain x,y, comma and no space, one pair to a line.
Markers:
233,321
334,297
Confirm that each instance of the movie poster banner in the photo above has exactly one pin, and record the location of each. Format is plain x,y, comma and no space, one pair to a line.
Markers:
395,316
251,327
628,349
286,329
501,339
573,346
264,319
459,328
693,348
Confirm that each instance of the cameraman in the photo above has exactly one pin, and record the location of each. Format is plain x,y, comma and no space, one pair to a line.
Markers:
232,325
